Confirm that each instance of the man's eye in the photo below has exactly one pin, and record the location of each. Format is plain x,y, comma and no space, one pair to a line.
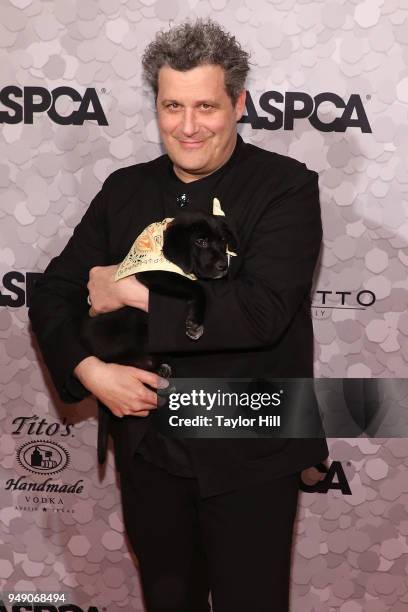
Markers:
201,242
172,106
205,106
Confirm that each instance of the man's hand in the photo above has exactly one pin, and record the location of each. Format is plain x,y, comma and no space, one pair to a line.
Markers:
311,476
107,295
121,388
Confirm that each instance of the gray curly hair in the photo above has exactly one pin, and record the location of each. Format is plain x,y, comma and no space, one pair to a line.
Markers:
193,44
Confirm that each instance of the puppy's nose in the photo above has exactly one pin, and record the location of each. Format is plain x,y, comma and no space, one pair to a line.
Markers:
221,266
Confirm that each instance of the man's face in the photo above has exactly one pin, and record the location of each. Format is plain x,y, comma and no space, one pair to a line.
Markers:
197,119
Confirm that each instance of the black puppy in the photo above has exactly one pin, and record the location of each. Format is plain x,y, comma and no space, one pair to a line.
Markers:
197,243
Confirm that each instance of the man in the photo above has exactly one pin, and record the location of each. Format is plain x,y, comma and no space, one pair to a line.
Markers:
201,514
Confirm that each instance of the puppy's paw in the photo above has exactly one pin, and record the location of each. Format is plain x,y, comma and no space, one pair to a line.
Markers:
193,330
164,370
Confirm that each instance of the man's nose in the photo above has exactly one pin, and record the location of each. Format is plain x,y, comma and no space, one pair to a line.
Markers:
189,125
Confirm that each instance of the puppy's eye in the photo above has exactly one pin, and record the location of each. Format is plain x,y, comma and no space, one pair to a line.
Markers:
201,242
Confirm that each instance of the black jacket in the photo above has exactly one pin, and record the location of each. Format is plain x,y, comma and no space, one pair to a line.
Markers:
257,322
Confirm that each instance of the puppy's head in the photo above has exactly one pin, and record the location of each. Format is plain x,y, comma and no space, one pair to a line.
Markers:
197,242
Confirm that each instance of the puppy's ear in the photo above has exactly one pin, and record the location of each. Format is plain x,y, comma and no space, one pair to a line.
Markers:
230,236
176,246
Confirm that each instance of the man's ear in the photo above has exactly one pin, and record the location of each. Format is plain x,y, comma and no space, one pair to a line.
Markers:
176,246
240,105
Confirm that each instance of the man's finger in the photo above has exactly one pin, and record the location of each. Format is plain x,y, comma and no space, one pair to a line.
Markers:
143,407
93,270
151,379
148,398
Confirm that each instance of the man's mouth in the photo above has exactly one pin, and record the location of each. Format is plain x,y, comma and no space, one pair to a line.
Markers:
191,144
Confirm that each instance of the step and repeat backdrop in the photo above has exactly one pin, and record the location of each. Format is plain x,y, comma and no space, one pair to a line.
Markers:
328,86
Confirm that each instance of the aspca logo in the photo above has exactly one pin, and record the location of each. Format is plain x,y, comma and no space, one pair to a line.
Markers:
43,457
335,479
283,109
17,288
22,103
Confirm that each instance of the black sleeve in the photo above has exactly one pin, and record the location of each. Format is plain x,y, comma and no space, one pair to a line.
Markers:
59,298
254,308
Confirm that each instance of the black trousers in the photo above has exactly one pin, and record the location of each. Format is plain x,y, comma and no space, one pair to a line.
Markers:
236,545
